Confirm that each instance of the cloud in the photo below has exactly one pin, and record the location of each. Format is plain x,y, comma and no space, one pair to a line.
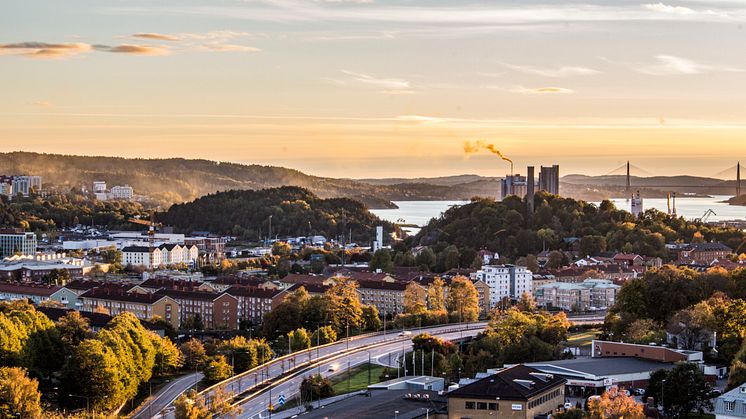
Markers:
540,90
42,104
420,119
133,49
668,65
397,92
387,84
555,72
228,48
156,36
665,8
44,49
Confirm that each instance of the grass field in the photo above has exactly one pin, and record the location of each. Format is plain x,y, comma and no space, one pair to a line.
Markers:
358,378
583,338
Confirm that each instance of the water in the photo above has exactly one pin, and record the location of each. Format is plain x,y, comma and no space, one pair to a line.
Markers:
420,212
691,208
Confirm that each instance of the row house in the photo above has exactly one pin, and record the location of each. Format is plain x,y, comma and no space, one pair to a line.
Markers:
218,311
163,255
117,299
37,293
222,283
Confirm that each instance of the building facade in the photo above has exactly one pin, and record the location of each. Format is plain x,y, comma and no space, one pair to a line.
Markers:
587,295
16,241
505,281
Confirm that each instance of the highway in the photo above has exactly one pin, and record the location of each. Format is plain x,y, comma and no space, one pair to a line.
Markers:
166,396
256,407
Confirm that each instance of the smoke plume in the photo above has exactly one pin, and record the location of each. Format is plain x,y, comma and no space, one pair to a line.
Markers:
473,147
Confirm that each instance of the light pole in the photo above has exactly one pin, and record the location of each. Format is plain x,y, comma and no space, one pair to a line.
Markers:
87,401
663,389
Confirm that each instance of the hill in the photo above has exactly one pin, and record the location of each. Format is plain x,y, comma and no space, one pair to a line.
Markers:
177,180
613,186
295,212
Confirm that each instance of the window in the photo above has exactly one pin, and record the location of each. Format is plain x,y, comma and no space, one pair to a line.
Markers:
481,406
493,406
470,405
730,406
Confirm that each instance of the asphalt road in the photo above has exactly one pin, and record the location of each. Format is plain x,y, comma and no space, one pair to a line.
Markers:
166,396
386,354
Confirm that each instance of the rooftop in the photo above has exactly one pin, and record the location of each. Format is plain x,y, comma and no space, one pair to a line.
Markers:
600,367
519,382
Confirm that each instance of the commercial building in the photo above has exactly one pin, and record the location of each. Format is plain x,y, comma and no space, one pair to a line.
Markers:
586,295
24,185
516,392
16,241
121,192
505,282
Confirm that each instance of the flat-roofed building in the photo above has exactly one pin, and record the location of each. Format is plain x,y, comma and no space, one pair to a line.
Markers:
17,242
218,311
116,299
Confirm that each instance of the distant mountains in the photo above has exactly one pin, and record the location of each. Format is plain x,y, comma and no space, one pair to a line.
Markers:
177,180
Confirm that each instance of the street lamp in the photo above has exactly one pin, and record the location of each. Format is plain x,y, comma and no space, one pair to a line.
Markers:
87,401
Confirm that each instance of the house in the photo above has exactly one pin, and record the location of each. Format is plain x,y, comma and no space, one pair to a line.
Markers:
731,405
628,259
703,252
515,392
589,294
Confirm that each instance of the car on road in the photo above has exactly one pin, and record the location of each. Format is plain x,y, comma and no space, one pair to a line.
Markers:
333,368
405,333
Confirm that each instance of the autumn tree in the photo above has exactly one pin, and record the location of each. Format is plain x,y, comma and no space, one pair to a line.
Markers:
414,298
345,309
323,335
371,319
463,302
217,369
194,354
615,404
526,303
19,394
436,295
191,406
299,339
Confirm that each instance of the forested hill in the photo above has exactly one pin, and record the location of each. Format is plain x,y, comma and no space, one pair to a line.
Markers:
510,229
177,180
246,214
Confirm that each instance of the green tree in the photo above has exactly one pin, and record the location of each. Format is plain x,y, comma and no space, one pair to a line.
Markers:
57,277
425,258
191,406
19,394
381,260
683,391
736,374
371,319
113,257
217,369
323,335
168,357
94,372
463,302
316,387
299,339
557,259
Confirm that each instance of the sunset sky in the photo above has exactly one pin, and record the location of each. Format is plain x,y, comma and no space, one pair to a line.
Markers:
379,88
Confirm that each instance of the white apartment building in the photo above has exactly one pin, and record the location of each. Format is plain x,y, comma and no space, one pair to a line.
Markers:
163,255
13,185
505,281
589,294
121,192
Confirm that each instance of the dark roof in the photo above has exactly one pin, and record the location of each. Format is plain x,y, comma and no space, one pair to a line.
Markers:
161,282
29,288
136,249
83,285
118,293
382,285
237,280
95,320
311,288
602,367
710,247
190,295
302,279
249,291
515,383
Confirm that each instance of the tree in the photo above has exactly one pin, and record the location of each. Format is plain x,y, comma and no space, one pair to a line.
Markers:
644,331
73,329
217,369
168,357
94,372
381,260
193,322
299,339
193,352
614,404
436,295
737,374
190,406
242,353
316,387
344,305
281,249
557,259
323,335
463,300
371,319
451,257
414,298
681,390
592,245
526,303
57,277
575,413
19,394
113,257
425,258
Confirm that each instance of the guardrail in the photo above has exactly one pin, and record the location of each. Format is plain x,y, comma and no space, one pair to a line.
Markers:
310,350
332,357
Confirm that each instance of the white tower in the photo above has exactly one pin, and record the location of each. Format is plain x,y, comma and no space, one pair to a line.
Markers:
637,204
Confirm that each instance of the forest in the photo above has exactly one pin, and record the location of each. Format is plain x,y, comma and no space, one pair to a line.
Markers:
295,212
558,223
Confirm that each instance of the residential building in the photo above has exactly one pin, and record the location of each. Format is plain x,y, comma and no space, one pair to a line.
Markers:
505,282
116,299
16,241
222,283
705,252
388,297
163,255
14,185
483,295
255,302
515,392
36,293
731,405
121,192
628,259
587,295
212,247
216,310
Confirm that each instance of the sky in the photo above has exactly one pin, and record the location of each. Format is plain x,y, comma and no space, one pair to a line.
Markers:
380,88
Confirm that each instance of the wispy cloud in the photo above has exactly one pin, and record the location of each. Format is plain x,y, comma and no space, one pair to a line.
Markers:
133,49
665,8
555,72
44,49
388,85
540,90
42,104
668,65
156,36
227,48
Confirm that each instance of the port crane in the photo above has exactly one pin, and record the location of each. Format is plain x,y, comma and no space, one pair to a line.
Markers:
705,216
152,228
